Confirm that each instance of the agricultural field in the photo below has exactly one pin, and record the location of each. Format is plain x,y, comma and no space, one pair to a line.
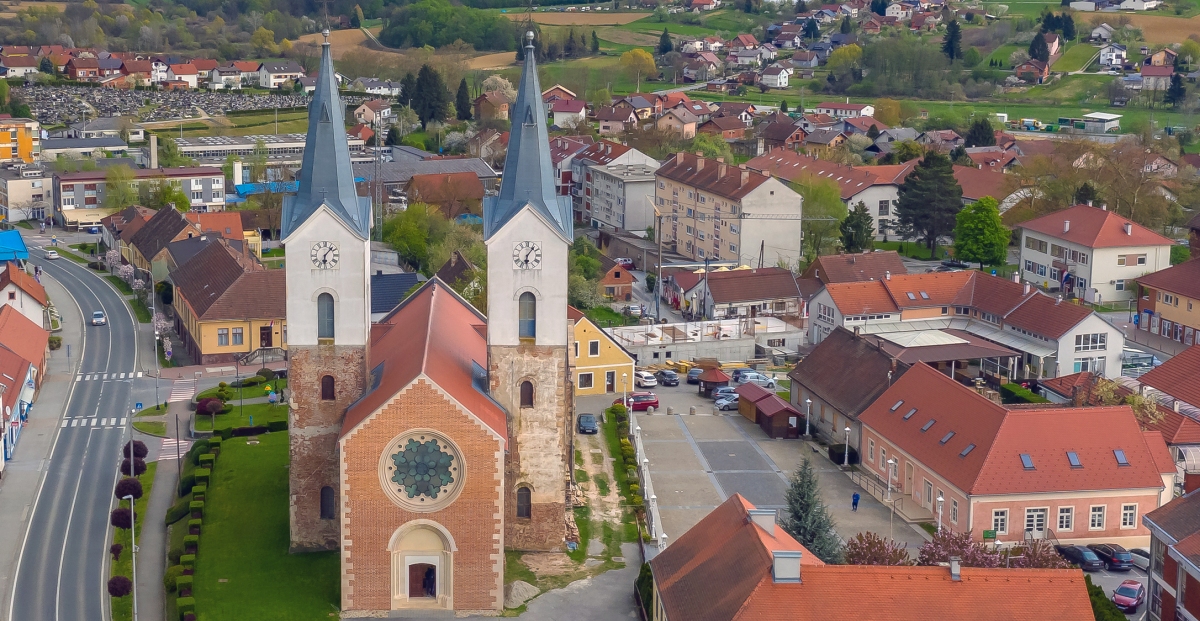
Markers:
343,41
1076,57
8,10
575,18
1162,29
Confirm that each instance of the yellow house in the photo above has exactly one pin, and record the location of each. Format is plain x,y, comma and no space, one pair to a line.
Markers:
597,362
227,305
20,140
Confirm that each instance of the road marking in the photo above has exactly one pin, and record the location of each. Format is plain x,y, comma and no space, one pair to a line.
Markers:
94,422
182,390
120,376
79,377
123,421
139,373
169,446
74,422
65,423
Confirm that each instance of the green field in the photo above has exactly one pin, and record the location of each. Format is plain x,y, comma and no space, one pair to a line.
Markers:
242,415
1001,54
1026,8
1076,57
251,124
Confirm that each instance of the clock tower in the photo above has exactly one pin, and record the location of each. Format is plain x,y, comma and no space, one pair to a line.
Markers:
528,233
326,229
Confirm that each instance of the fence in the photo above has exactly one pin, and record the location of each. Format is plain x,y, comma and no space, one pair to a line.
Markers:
653,518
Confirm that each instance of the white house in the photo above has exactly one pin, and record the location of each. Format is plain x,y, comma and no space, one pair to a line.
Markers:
158,70
1090,252
274,74
568,112
845,110
1112,55
1139,5
22,292
376,86
186,73
1103,32
225,78
775,77
898,10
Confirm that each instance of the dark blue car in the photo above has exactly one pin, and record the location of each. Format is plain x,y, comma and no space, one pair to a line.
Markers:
1115,557
587,424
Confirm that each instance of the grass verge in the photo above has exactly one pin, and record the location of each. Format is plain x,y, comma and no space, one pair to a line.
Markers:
122,607
62,252
243,570
583,520
140,310
154,428
914,250
251,392
121,285
261,413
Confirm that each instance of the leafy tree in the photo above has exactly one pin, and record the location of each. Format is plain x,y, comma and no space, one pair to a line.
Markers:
637,63
664,43
952,41
783,107
979,235
432,101
930,197
462,102
3,92
972,57
1038,48
1038,554
948,543
1086,194
139,466
858,232
119,586
801,6
263,41
822,199
711,145
439,23
887,111
595,43
959,156
1179,254
870,549
169,155
128,487
906,150
980,134
806,517
121,517
846,26
119,191
811,30
1189,52
1176,92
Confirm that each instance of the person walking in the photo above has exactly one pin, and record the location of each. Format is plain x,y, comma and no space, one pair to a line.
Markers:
854,502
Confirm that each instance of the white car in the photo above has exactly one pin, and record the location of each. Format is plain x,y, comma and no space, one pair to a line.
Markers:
51,254
727,403
757,378
98,318
643,379
1141,558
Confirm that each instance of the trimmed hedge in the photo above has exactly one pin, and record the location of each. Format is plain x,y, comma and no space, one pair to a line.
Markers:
1016,393
214,444
177,512
206,460
191,542
198,492
199,448
173,572
187,561
185,605
252,431
184,583
202,475
277,425
245,382
196,507
194,526
186,483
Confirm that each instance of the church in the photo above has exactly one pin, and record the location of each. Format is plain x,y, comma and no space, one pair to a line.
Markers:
426,444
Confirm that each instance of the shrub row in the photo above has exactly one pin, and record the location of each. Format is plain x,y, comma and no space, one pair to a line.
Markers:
628,459
193,488
1016,393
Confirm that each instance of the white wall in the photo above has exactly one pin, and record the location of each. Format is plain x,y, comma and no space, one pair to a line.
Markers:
548,283
348,282
24,303
871,197
782,236
1105,269
1111,353
817,328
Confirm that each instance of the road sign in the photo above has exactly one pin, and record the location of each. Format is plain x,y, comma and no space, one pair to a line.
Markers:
138,405
989,534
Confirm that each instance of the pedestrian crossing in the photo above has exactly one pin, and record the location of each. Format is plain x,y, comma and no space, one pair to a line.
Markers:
182,390
98,422
90,377
172,449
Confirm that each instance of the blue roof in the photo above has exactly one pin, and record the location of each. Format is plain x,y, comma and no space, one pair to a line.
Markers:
12,246
278,187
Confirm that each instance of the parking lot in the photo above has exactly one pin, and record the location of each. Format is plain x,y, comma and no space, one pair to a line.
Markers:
1109,580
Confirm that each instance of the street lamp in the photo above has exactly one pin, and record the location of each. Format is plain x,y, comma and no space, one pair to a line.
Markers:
891,466
940,502
133,552
807,414
891,517
625,391
846,453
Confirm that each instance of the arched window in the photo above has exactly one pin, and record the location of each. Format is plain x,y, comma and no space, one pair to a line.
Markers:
526,394
328,503
324,316
524,502
527,309
327,391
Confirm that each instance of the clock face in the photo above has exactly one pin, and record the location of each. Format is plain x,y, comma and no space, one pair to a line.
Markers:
527,255
324,255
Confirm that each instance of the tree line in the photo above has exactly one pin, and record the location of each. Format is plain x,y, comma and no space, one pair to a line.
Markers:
438,23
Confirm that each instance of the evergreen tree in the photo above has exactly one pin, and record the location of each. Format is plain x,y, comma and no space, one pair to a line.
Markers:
783,106
748,7
1176,92
979,235
408,88
1038,48
1086,194
958,155
569,48
846,26
952,42
46,66
432,100
930,197
879,7
462,101
801,6
811,30
873,131
664,43
393,136
806,517
1050,22
1068,27
980,134
355,22
858,231
595,43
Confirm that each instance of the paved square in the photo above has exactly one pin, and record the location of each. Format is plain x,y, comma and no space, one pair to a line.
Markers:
763,489
675,456
732,456
710,428
685,489
656,428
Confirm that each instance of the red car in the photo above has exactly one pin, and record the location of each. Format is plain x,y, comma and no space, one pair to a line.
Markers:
1129,595
641,401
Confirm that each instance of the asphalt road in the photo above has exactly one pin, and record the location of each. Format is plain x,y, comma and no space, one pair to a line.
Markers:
62,570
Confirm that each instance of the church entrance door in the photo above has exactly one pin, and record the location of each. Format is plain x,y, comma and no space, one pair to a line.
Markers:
422,581
422,562
264,336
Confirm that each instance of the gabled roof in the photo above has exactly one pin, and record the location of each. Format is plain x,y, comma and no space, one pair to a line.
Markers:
205,64
23,281
282,67
220,283
1183,279
568,106
1095,228
21,336
613,113
705,174
823,136
159,230
977,183
388,290
861,298
1155,71
1047,316
865,123
824,372
437,338
855,267
726,123
928,289
1179,376
184,69
766,283
227,224
781,132
792,166
563,147
1180,518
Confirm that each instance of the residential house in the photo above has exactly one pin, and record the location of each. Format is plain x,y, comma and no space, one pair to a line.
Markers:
562,151
279,74
616,282
782,136
813,122
749,292
23,346
19,66
1174,572
118,228
699,109
700,70
941,139
620,196
742,111
855,267
205,67
766,575
1053,42
775,77
900,11
604,153
454,194
1054,337
873,25
375,86
1113,55
1090,252
1138,5
78,197
1032,70
230,78
805,59
743,58
83,69
362,132
977,182
23,293
1087,482
710,201
1165,57
599,365
568,113
1103,32
1157,78
845,110
23,194
186,72
614,121
822,141
821,49
861,125
678,121
556,92
727,127
148,246
376,112
743,42
993,158
704,5
1168,302
645,105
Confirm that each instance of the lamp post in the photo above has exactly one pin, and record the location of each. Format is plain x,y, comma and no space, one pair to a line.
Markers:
941,501
891,517
891,463
133,552
807,414
625,391
846,453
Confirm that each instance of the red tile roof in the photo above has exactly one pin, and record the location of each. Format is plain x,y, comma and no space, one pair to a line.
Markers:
184,69
765,283
865,123
1178,376
1183,279
931,289
1047,316
562,147
705,174
1095,228
792,166
439,341
603,152
977,183
205,64
227,224
568,106
23,281
861,298
856,267
1155,71
752,392
1175,428
23,337
713,375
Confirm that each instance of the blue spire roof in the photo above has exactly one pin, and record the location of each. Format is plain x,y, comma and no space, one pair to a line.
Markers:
326,176
528,175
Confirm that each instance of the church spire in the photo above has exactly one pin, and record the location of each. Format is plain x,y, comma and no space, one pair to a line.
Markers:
326,176
528,175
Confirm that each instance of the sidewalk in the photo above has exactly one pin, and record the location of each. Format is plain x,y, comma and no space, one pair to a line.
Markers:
215,370
23,476
152,548
1156,344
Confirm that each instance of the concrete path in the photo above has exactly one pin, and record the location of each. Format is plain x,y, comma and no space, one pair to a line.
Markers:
152,547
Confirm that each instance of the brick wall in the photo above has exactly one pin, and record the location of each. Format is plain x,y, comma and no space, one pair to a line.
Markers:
370,518
314,429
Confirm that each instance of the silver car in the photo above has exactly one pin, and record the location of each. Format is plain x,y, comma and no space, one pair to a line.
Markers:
729,402
757,378
1141,558
98,318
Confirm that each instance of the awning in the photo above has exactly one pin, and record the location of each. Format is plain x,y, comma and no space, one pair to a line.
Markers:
1190,458
1011,339
911,326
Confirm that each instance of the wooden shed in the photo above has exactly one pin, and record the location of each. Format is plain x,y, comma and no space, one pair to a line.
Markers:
749,395
778,418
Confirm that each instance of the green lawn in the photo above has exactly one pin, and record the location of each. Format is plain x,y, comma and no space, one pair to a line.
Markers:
140,310
1001,54
122,608
262,413
121,285
154,428
250,391
915,250
243,569
606,317
1076,57
1026,7
25,225
62,252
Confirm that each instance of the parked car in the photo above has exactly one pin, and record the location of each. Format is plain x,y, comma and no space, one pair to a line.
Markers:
51,254
641,402
1129,596
693,376
954,263
1141,558
98,318
633,310
737,374
644,379
667,377
756,378
721,392
1081,556
587,424
625,263
727,403
1115,557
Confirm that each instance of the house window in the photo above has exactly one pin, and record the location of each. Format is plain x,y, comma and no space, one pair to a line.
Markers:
593,348
1000,521
871,450
1097,518
237,336
327,388
524,502
325,316
222,337
953,511
527,394
1121,259
1066,518
1141,259
1129,516
328,503
885,208
527,310
775,342
1091,342
197,196
1120,285
585,380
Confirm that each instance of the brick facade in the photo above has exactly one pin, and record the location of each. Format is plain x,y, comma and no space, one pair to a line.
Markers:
370,519
314,428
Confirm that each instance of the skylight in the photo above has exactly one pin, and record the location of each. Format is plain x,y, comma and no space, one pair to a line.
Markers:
924,296
970,447
1027,461
898,404
1121,459
1074,459
910,413
946,438
910,295
926,426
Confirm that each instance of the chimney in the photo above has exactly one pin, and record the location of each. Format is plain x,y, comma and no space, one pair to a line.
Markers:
1104,206
887,275
765,518
1089,203
785,565
1016,277
204,238
153,151
699,162
1026,290
1129,228
1175,406
237,172
745,178
1066,226
956,569
1058,300
721,167
379,272
857,330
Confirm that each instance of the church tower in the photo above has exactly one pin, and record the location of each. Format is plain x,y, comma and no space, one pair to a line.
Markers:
326,230
528,232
